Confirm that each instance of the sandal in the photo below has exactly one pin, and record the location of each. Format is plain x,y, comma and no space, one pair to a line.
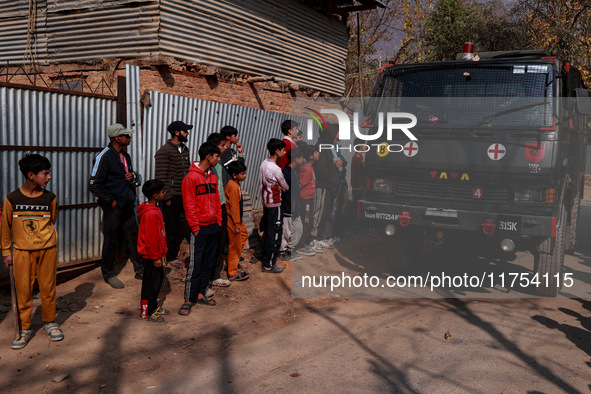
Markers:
220,282
206,301
240,275
154,318
53,331
161,311
185,309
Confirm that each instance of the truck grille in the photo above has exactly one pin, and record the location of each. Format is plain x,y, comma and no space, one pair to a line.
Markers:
495,194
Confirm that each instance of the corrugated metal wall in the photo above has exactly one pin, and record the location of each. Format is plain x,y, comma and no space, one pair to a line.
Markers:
278,38
42,119
255,127
81,30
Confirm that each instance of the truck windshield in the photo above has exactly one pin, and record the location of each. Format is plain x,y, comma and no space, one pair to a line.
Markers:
473,95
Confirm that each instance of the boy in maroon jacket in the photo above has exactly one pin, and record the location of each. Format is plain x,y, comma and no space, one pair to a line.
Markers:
151,246
203,211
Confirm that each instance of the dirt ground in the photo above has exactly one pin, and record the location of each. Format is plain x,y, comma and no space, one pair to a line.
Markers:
106,342
258,338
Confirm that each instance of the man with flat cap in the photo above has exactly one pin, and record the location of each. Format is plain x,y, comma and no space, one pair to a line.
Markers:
112,181
172,164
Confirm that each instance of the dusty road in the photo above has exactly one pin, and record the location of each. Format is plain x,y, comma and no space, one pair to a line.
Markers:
259,338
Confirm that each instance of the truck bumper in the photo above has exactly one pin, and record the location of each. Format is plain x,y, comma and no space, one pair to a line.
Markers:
491,224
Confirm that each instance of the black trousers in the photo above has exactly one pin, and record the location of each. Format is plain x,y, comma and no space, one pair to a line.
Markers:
273,220
175,225
119,225
203,252
217,269
151,285
307,214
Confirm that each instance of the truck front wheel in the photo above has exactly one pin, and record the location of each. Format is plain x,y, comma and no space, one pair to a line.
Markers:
549,261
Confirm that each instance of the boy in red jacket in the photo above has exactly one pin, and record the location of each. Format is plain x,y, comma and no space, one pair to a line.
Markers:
203,211
151,246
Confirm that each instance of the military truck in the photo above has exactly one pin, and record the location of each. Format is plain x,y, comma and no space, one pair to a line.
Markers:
500,154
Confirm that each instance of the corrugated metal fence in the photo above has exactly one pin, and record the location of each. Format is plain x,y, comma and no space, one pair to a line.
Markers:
69,130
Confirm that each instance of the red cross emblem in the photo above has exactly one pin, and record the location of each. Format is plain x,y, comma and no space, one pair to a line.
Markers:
411,148
496,151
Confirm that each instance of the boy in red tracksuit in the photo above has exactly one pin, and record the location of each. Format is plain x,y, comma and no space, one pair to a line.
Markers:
203,211
151,246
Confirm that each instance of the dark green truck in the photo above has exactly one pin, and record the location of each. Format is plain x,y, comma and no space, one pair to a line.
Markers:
500,153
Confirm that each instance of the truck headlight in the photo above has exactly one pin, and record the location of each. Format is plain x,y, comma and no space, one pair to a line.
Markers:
383,185
528,195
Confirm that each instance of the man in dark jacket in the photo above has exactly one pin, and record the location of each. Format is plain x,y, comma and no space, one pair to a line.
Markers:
172,164
112,181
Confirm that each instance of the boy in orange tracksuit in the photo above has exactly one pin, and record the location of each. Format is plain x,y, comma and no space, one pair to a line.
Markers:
28,228
237,233
152,247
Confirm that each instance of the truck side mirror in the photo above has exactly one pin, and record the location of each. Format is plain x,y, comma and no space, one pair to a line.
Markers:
583,102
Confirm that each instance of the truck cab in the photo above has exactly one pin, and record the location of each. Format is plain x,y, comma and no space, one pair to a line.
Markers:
499,153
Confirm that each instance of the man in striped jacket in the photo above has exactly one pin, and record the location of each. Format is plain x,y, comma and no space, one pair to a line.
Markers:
172,165
272,184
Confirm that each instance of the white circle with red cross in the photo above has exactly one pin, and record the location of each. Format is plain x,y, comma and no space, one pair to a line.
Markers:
496,151
411,149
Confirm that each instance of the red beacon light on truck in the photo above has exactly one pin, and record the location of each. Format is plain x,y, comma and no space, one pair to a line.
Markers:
468,51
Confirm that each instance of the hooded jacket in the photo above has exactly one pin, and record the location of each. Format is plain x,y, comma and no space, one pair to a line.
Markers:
201,198
151,240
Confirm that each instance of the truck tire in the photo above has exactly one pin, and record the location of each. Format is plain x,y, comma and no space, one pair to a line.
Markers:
573,223
549,261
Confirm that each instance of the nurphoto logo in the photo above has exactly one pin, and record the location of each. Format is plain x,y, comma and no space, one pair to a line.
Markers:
388,122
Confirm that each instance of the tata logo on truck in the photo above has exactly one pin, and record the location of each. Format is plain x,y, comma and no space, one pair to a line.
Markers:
388,122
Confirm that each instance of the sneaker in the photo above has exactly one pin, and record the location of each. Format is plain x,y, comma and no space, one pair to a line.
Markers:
276,269
53,331
314,247
295,256
254,260
209,292
325,243
115,283
139,276
306,252
221,282
285,255
22,340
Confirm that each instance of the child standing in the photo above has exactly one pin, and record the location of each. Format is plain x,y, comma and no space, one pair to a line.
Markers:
307,179
28,228
290,205
151,246
203,210
272,184
237,234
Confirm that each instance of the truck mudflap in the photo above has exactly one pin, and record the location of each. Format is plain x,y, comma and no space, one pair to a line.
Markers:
491,224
